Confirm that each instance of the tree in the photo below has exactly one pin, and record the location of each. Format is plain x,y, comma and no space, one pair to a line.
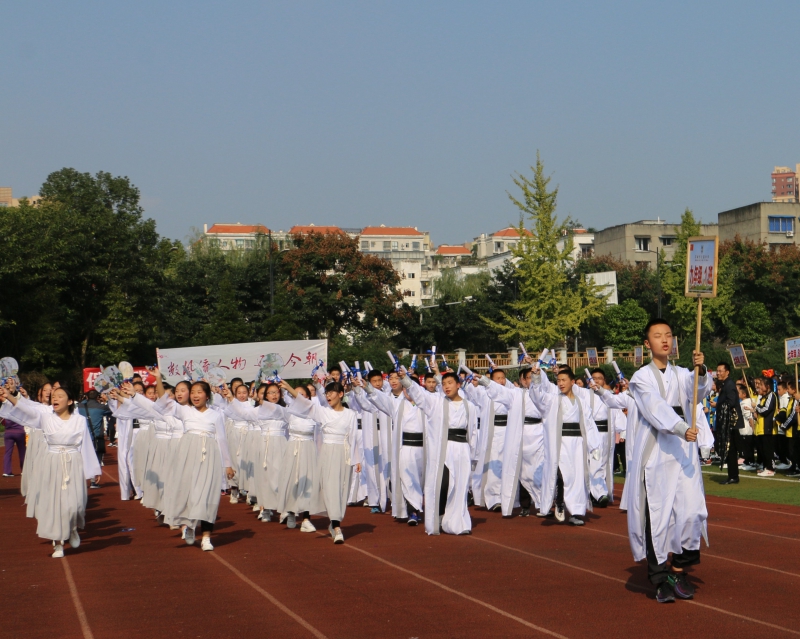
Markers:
449,287
548,306
682,311
622,325
751,325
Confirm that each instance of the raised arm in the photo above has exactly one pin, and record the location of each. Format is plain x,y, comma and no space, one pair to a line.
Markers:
378,400
21,410
423,399
303,407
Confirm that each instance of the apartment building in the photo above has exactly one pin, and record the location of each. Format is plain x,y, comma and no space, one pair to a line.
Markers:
784,184
7,197
641,242
231,237
773,223
502,241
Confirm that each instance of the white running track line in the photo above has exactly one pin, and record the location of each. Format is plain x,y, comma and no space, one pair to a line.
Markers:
76,601
630,585
453,591
706,554
791,481
270,598
755,532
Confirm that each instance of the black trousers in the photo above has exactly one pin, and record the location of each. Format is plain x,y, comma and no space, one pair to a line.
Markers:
782,448
559,489
619,457
444,489
748,451
206,526
765,445
411,510
525,499
733,455
658,573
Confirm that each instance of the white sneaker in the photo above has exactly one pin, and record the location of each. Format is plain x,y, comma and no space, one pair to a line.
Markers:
206,544
561,513
782,466
265,516
256,508
58,550
283,517
234,499
766,473
307,526
188,535
74,539
339,538
291,521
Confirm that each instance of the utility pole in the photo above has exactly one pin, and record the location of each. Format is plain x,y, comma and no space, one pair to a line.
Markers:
271,279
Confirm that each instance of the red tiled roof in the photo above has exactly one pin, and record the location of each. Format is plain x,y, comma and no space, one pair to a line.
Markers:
511,231
300,230
238,229
390,230
453,250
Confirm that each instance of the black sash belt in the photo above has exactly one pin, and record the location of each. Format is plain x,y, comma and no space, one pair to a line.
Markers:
501,420
533,420
359,424
678,410
457,435
412,439
602,425
571,429
479,423
135,423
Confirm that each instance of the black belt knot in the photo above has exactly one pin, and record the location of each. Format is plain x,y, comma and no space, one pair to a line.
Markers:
533,420
602,425
412,439
457,435
501,420
571,429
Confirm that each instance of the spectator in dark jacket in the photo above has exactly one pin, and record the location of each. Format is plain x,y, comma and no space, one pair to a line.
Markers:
94,412
729,396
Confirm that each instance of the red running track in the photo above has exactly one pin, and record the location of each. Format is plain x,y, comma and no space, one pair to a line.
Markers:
520,577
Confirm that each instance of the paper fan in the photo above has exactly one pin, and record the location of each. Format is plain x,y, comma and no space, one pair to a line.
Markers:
127,371
113,375
216,376
271,365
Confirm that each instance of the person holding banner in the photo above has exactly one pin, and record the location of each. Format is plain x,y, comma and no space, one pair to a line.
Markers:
666,504
198,463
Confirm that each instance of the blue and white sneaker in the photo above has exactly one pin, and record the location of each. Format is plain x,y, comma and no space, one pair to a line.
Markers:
413,519
375,510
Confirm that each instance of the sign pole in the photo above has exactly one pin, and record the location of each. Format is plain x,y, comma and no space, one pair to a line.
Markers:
696,368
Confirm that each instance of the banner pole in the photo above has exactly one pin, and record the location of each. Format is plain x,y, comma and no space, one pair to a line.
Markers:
696,368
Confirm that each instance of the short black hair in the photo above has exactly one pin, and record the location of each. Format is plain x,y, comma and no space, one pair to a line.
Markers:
374,373
656,321
237,379
334,387
415,377
599,370
525,371
566,370
430,376
334,367
451,375
496,370
725,365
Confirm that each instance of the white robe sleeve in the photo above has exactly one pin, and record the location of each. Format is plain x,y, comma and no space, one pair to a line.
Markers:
24,413
303,407
91,466
379,401
222,439
426,401
654,408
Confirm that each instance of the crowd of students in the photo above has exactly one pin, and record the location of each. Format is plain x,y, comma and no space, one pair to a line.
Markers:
423,448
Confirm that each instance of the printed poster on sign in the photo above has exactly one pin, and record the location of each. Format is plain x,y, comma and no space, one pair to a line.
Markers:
638,356
591,353
297,359
792,350
701,267
738,356
673,353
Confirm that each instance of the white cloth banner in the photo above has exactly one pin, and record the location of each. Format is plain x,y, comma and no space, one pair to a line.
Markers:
290,359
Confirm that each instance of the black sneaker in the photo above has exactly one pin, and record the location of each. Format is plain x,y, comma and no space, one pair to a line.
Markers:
496,508
680,584
665,593
603,501
525,512
94,485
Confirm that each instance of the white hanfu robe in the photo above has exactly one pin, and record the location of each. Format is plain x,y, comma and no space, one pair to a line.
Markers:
601,470
443,414
408,461
192,490
124,449
568,454
488,475
375,425
523,456
625,425
337,456
665,468
66,461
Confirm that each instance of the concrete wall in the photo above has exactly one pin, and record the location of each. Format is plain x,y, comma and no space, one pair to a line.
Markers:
751,222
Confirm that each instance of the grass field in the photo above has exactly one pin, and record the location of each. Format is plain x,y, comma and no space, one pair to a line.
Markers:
780,490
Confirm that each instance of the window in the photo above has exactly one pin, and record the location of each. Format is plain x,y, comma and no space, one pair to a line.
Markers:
394,246
364,245
587,250
511,245
781,224
424,247
249,243
498,247
413,294
667,241
415,246
239,243
387,246
411,276
642,243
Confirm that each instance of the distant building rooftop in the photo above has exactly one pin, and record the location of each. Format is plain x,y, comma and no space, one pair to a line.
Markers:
390,230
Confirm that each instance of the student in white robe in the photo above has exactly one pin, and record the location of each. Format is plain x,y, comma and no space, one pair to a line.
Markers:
451,438
125,430
488,475
523,455
235,430
194,493
570,436
602,470
338,455
666,504
67,460
375,427
407,445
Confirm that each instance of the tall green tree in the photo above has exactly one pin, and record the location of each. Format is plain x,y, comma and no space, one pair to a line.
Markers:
547,307
622,325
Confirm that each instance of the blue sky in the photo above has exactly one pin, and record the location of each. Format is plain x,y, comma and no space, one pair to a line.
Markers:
412,113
